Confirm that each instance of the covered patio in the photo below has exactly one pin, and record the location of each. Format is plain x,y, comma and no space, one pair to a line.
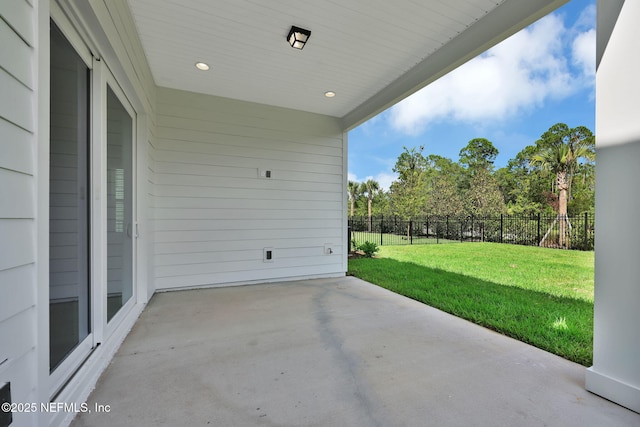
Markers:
128,170
339,352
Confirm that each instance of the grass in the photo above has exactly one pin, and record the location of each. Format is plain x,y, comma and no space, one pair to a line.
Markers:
540,296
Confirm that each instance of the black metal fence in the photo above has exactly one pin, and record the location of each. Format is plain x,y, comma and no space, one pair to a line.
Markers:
571,232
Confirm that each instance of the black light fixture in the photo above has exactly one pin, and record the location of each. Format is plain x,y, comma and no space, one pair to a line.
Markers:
298,37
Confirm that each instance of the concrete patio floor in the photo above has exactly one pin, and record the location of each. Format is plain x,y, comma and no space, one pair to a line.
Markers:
332,352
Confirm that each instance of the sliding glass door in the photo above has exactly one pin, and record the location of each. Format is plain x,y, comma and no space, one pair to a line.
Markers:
69,258
91,197
120,224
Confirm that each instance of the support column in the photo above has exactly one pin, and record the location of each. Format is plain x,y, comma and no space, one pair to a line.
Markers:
615,373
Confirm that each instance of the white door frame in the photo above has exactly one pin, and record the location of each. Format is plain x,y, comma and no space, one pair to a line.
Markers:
100,301
100,330
70,364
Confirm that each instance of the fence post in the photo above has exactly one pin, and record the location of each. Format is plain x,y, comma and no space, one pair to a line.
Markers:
427,224
411,231
381,227
349,234
586,230
472,232
461,225
447,229
501,226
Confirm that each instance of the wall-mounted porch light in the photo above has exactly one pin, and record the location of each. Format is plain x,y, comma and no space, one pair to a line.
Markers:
298,37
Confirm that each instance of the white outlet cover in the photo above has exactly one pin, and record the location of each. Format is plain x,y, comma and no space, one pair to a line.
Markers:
262,173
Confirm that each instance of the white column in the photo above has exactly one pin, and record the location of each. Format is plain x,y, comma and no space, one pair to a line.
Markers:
615,373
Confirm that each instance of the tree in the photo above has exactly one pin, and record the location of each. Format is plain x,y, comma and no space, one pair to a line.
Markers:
478,153
582,197
522,185
561,149
443,179
484,197
353,189
369,189
410,165
408,192
437,166
444,198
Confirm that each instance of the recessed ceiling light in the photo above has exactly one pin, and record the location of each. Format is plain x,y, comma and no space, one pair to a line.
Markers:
330,94
202,66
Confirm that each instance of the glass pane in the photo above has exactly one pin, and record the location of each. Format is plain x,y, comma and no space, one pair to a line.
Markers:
68,201
119,205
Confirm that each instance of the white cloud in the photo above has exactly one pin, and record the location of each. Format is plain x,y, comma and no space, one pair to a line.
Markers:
516,75
583,53
383,178
587,18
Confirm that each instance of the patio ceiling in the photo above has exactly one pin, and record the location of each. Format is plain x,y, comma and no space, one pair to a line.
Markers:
370,53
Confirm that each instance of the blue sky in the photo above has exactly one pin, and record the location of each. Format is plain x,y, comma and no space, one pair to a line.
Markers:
510,95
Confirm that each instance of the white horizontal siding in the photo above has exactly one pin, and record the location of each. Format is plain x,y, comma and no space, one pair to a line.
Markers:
246,275
17,105
224,237
13,302
17,238
213,211
18,315
146,212
204,181
18,14
243,159
14,186
208,247
203,203
321,212
16,147
13,47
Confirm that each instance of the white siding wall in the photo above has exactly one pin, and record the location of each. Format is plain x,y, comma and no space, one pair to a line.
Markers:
214,215
18,316
146,205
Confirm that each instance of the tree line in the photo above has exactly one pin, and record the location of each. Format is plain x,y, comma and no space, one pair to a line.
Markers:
554,175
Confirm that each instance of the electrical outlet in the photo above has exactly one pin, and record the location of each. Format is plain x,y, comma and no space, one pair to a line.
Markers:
265,173
267,255
6,418
328,249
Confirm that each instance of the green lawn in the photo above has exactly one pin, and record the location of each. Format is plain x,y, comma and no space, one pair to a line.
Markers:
540,296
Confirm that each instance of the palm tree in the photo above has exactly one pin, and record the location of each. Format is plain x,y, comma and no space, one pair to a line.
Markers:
562,159
370,188
353,189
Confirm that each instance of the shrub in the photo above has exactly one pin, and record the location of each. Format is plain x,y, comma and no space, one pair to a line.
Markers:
368,249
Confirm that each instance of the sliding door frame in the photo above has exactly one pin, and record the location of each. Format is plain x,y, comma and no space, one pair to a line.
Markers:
100,330
66,368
